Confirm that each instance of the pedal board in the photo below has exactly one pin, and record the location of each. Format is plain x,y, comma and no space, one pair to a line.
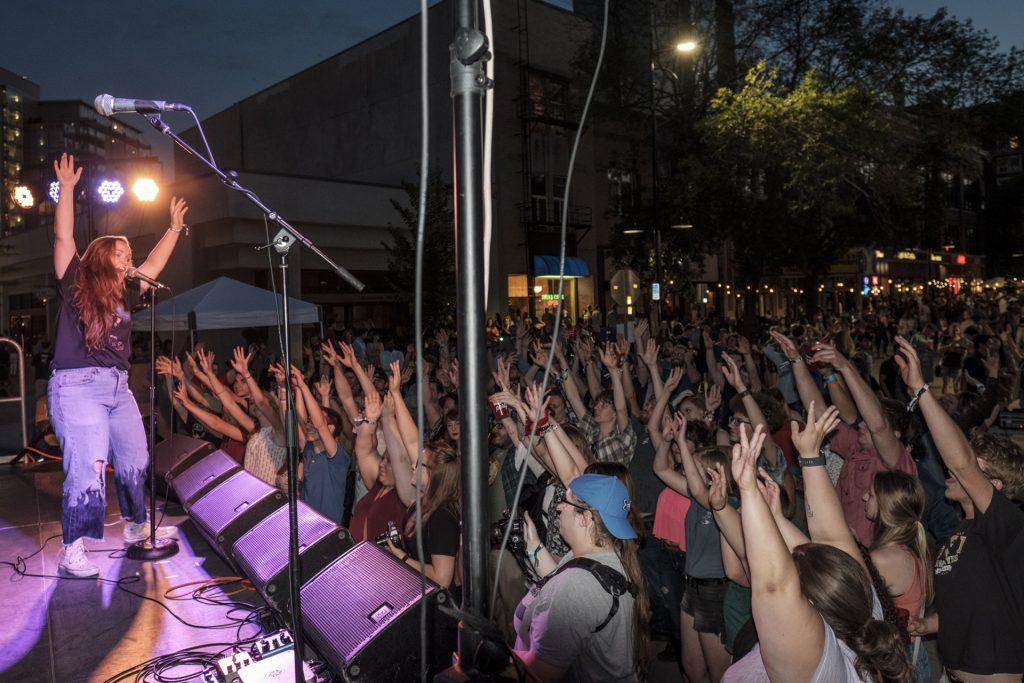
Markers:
269,660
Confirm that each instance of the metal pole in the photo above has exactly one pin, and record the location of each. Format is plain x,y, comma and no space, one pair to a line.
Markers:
468,86
655,213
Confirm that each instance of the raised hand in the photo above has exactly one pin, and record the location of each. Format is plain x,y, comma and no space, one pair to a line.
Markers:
395,378
650,353
277,372
609,356
181,395
389,403
534,404
65,171
179,207
771,492
323,387
453,375
330,355
177,371
909,365
641,329
240,361
787,345
743,346
501,375
163,366
679,429
826,354
372,406
732,373
717,494
206,359
713,399
675,376
347,356
808,442
406,375
744,459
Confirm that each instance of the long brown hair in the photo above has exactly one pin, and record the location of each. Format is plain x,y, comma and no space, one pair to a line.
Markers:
445,488
840,590
98,291
628,553
900,499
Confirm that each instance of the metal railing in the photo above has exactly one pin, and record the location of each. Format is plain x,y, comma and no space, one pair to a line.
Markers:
21,397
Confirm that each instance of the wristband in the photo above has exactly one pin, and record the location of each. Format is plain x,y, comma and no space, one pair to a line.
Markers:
815,461
831,378
743,394
535,552
714,509
184,227
404,558
246,376
917,398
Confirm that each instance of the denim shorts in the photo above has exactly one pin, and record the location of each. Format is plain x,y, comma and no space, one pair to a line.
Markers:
703,600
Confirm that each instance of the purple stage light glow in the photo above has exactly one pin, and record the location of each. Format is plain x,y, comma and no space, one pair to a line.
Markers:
110,191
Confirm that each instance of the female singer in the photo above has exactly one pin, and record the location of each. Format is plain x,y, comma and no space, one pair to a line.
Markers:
91,407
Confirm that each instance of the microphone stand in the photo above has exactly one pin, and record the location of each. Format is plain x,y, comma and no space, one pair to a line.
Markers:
282,243
152,549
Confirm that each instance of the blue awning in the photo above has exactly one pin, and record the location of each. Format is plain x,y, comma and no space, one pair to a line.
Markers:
547,266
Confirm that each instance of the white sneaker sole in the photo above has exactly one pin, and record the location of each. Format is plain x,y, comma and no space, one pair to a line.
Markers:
79,573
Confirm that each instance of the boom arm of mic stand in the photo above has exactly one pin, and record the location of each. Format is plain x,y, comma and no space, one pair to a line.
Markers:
232,183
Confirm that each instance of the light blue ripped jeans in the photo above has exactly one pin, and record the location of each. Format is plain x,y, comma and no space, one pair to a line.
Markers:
97,421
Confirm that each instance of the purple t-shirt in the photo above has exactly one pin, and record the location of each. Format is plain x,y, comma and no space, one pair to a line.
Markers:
69,350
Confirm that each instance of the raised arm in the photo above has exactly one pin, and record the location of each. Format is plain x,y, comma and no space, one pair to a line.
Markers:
160,254
649,359
226,397
805,385
791,632
366,441
663,467
654,422
618,393
889,448
171,371
406,425
825,520
731,372
64,248
341,386
315,414
953,446
397,455
210,420
240,363
714,374
748,360
694,478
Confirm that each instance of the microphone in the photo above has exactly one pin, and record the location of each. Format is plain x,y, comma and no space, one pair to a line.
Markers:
134,274
108,105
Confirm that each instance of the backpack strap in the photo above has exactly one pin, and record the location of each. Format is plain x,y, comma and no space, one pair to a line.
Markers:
611,580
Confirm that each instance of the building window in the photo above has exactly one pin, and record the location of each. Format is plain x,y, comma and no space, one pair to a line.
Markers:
557,196
539,197
517,287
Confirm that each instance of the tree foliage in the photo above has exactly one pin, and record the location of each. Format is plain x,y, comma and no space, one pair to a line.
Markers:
439,293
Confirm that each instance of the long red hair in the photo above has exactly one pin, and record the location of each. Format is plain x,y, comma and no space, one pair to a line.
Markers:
98,291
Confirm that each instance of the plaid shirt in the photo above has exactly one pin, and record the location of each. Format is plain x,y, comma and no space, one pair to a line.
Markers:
618,446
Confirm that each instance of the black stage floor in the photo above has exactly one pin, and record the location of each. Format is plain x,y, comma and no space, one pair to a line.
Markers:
66,631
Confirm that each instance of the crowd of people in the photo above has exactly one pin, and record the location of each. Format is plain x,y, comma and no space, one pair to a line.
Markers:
806,502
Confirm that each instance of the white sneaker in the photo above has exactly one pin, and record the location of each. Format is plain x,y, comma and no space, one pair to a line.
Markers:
133,533
74,562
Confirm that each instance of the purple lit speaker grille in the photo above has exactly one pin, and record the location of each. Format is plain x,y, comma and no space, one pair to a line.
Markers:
356,597
188,483
263,550
228,500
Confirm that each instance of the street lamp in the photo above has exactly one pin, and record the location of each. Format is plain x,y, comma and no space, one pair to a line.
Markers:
686,46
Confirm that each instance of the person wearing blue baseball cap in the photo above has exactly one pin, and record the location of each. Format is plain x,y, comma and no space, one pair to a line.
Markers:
587,618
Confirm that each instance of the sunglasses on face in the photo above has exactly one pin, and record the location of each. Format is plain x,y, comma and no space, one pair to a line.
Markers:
738,420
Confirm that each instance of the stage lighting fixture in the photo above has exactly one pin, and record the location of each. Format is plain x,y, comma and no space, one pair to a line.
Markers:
23,197
110,191
145,189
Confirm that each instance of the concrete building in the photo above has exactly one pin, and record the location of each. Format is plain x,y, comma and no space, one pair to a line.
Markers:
343,135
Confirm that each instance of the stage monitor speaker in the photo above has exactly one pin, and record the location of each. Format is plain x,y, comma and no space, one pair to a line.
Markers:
362,614
194,479
177,451
232,507
262,551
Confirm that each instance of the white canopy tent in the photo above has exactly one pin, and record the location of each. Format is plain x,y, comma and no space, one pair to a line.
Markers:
225,304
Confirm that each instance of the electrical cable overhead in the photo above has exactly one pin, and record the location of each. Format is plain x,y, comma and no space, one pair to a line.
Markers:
558,310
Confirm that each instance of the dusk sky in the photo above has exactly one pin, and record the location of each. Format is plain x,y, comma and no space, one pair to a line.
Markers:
212,54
